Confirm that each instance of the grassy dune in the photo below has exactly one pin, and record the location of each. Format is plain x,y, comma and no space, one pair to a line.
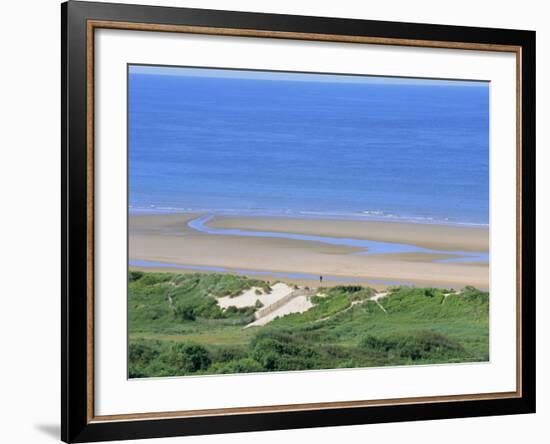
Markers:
177,328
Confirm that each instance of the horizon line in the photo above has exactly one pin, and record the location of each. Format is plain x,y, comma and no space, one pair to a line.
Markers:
293,76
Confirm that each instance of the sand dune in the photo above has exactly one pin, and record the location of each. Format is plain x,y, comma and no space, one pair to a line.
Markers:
297,304
249,297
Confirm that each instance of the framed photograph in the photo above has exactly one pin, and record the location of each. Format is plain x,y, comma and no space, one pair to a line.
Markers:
275,221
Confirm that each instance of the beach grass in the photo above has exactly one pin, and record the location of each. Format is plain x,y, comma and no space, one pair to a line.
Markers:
176,327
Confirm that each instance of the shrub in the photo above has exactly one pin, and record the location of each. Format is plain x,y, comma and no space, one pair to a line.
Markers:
414,346
208,308
280,350
242,311
140,355
142,352
227,354
134,275
471,294
185,312
245,365
347,288
432,292
189,358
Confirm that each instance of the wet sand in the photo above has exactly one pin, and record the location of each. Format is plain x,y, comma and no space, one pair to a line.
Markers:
168,239
439,237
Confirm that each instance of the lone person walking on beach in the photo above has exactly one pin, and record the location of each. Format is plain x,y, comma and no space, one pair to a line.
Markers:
321,279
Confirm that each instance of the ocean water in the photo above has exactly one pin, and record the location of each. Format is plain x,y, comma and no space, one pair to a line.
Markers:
416,151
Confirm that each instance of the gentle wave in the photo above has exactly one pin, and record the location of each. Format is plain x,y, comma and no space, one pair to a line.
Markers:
374,215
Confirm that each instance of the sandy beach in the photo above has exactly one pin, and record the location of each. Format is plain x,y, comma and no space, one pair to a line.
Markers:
167,239
440,237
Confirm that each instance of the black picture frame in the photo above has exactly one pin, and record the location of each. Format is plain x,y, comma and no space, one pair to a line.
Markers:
76,423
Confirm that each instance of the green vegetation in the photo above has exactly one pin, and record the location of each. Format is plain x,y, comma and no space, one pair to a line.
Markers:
177,328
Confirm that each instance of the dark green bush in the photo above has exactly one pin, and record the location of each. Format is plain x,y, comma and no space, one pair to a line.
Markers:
226,354
134,275
346,288
280,350
185,312
142,352
189,358
245,365
414,346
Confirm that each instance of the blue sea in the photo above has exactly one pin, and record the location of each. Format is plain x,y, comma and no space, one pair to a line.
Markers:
308,145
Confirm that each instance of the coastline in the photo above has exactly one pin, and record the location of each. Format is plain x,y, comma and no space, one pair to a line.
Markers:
167,239
426,235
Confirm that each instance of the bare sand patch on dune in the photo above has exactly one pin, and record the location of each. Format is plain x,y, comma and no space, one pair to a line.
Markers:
282,300
298,304
249,297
